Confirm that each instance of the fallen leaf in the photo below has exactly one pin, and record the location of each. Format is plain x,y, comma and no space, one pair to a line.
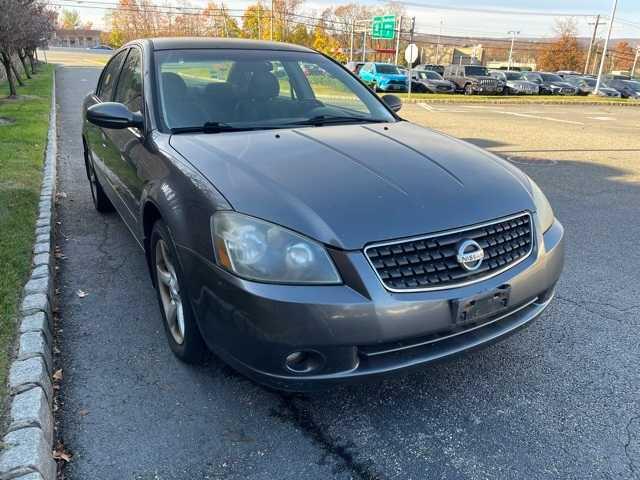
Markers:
62,194
57,375
84,412
60,454
82,293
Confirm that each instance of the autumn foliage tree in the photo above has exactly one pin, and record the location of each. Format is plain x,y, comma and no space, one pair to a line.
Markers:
564,52
623,55
25,25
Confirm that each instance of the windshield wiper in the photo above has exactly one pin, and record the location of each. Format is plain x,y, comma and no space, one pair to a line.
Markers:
211,127
329,119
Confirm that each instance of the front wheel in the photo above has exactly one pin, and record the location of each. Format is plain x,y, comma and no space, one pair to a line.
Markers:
468,89
183,334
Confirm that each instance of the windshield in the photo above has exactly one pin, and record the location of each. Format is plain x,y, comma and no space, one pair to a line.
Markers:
478,71
589,81
550,77
429,75
259,89
386,69
513,75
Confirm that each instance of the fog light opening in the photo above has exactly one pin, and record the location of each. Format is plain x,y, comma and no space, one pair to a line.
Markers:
304,361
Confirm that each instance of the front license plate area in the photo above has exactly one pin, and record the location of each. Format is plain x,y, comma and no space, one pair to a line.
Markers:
480,307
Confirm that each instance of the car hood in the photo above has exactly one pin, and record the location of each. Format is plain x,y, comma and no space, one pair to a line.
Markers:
389,76
561,84
437,83
521,83
350,185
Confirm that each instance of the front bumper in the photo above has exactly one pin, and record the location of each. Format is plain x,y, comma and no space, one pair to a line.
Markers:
392,87
359,329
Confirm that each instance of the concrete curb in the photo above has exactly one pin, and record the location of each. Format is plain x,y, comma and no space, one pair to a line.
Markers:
27,447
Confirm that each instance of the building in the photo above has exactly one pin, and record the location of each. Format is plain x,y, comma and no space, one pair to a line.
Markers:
75,38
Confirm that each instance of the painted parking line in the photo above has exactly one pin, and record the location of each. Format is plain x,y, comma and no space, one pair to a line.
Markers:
539,117
602,119
431,108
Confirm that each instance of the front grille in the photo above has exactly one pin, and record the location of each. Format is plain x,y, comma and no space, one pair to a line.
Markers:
488,83
429,262
397,82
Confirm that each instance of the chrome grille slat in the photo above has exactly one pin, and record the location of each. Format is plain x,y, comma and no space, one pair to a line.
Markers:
429,262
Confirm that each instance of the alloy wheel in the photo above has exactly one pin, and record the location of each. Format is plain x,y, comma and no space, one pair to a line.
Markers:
169,292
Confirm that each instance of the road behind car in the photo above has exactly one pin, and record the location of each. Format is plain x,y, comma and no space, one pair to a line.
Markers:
558,400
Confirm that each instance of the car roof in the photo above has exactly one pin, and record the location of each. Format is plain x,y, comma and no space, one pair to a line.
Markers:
179,43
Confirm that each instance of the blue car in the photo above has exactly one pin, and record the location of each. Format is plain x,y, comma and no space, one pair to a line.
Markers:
383,77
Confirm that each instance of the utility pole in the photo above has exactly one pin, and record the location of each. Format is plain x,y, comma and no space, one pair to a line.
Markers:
438,44
513,34
259,21
353,27
606,44
364,44
271,24
635,61
398,39
593,39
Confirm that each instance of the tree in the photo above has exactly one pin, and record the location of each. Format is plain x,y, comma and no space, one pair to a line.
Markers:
24,25
325,43
256,22
70,19
563,53
623,56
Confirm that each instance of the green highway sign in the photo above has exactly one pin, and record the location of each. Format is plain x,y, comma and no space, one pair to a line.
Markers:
383,27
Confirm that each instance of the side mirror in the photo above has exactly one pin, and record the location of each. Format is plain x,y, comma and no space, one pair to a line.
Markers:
393,102
114,115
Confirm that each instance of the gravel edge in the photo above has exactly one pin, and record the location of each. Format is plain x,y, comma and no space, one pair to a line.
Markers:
27,447
524,101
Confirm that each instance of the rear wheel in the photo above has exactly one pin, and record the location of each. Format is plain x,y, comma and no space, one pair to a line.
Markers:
183,334
100,200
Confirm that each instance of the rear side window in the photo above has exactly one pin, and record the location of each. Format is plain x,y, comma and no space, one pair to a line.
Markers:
109,77
130,83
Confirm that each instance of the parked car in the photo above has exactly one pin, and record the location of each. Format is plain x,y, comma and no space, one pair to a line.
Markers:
515,83
383,77
431,68
550,83
627,88
473,79
416,87
354,67
100,47
309,240
433,82
587,85
567,73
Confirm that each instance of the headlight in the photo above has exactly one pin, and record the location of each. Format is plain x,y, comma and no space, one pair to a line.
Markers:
259,250
543,207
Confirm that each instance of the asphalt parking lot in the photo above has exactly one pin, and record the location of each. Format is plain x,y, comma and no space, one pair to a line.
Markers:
560,399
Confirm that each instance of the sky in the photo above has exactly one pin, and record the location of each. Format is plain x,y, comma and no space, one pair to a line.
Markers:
464,18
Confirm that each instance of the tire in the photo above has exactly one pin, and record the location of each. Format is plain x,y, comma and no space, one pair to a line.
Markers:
468,89
181,328
100,200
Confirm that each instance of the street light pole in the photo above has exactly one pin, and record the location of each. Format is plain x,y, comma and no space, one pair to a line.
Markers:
513,34
606,44
398,39
353,27
635,61
438,44
593,39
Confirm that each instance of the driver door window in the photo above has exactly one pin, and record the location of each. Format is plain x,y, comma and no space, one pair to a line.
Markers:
129,89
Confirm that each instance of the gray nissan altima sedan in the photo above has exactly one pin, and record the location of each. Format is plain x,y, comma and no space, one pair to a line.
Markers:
296,226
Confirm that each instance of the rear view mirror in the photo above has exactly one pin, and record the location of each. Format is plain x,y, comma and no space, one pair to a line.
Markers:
393,102
114,115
